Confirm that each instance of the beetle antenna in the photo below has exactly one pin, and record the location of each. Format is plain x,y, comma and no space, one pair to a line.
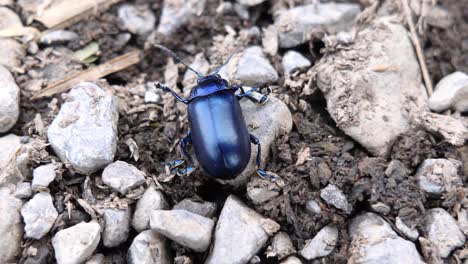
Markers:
177,58
227,61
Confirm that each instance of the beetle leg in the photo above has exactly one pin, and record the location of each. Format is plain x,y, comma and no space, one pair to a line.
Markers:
260,172
253,96
184,144
167,89
174,163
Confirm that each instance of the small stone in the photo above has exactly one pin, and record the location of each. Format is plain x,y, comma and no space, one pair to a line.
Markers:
372,238
439,17
313,208
411,233
291,260
254,69
116,227
148,247
9,100
255,260
43,176
9,153
381,208
151,200
39,252
9,19
438,175
334,196
57,36
451,129
322,244
451,92
240,233
137,19
152,97
122,177
81,239
442,230
183,227
84,133
281,246
11,54
344,38
11,227
39,215
293,60
202,208
261,190
463,220
177,13
296,24
250,2
96,259
23,190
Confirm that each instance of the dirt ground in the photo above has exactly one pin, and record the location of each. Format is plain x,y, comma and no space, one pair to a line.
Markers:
157,129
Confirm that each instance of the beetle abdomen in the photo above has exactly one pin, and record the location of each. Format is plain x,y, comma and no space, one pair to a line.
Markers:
219,134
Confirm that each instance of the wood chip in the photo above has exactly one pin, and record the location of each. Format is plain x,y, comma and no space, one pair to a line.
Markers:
91,74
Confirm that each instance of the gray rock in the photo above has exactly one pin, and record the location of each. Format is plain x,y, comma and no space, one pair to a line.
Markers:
240,233
11,227
322,244
57,36
43,176
176,14
442,230
9,153
116,227
439,17
11,54
261,190
39,215
281,246
451,92
382,65
122,176
411,233
202,208
463,220
313,208
295,25
254,69
81,239
84,133
381,208
291,260
438,175
276,120
137,19
151,200
9,100
9,19
148,247
293,60
371,239
23,190
250,2
96,259
183,227
451,129
334,196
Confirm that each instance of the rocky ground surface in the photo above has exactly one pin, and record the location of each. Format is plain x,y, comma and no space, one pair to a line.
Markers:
372,168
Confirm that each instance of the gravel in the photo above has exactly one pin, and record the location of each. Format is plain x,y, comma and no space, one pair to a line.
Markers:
203,208
11,54
371,239
175,14
43,176
151,200
451,92
116,227
148,247
9,100
240,233
254,69
122,177
334,196
81,239
183,227
84,133
137,19
296,24
313,208
260,190
281,246
9,153
23,190
439,175
322,244
293,60
11,227
39,215
442,230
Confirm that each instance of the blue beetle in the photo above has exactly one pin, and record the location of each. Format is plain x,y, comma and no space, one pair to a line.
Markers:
218,132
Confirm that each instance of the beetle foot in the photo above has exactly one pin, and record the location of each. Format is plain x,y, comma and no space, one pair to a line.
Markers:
267,176
185,172
174,164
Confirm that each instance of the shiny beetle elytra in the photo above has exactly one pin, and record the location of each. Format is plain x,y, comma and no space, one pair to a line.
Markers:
218,132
